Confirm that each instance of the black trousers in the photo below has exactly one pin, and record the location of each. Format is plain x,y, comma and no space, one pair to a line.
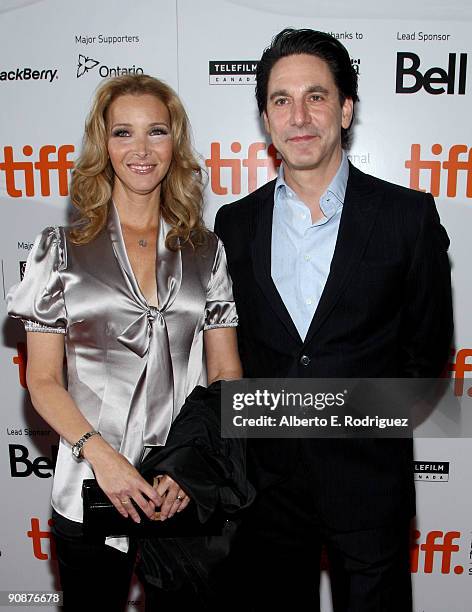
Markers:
275,560
93,575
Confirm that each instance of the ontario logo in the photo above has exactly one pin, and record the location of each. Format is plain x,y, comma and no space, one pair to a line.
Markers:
86,64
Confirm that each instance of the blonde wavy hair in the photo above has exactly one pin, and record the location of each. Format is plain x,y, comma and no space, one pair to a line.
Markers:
93,175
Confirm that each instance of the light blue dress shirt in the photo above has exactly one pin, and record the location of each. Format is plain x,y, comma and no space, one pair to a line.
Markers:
301,250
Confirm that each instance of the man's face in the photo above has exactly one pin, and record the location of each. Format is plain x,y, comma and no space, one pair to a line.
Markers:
304,115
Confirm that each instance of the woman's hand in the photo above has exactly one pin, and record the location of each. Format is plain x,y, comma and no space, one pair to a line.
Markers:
175,499
120,481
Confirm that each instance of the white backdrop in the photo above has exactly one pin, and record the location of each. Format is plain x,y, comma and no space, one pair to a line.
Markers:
55,52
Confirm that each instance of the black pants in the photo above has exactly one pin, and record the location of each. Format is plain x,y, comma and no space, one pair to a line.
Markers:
93,576
275,560
178,572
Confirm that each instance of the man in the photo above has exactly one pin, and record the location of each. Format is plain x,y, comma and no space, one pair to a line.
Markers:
336,274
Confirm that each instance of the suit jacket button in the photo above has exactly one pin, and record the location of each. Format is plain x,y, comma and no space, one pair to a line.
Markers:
305,360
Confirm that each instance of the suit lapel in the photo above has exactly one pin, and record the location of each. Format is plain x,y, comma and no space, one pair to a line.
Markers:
261,257
360,208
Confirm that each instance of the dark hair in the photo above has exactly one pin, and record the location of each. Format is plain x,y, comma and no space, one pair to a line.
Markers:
310,42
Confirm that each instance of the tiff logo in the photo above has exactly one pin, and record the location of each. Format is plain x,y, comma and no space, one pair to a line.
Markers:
50,160
232,167
459,160
437,544
20,359
37,536
459,365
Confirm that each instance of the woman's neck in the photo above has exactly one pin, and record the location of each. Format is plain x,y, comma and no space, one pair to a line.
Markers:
137,211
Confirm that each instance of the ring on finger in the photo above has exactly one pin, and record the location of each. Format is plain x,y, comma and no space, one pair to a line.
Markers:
124,501
179,498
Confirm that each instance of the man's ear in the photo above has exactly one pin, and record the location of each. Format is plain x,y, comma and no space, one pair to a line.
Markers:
347,113
266,122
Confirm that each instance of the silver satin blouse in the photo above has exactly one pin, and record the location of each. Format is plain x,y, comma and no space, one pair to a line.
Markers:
130,365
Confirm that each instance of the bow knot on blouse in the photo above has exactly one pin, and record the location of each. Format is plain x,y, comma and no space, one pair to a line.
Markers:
152,404
137,336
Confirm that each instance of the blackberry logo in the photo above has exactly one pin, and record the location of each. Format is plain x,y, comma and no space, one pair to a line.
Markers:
29,74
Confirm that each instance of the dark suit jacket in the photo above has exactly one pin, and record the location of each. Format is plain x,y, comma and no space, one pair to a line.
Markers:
385,312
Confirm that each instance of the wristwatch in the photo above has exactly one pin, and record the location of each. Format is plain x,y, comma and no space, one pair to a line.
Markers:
77,447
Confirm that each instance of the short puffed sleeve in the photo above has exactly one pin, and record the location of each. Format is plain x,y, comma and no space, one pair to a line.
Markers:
39,299
220,309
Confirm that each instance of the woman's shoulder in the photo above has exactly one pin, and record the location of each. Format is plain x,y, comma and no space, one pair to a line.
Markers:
52,238
204,244
53,234
212,238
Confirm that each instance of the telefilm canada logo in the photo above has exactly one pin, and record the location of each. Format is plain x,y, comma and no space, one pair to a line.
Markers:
232,72
431,471
86,64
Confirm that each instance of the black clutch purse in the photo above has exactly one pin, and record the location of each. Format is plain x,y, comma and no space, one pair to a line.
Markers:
209,467
102,519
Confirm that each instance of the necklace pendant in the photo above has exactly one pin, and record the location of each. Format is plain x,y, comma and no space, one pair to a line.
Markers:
142,243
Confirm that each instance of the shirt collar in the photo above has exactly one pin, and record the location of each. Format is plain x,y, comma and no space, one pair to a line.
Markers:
332,199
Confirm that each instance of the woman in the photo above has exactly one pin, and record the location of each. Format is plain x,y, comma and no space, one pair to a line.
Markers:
138,297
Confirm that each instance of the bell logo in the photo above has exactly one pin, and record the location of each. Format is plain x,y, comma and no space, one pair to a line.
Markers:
50,159
37,535
432,80
459,159
22,467
437,544
252,162
458,366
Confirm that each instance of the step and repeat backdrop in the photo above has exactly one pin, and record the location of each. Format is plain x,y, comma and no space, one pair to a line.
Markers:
412,127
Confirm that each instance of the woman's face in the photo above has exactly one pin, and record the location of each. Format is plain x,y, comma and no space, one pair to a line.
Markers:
139,143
